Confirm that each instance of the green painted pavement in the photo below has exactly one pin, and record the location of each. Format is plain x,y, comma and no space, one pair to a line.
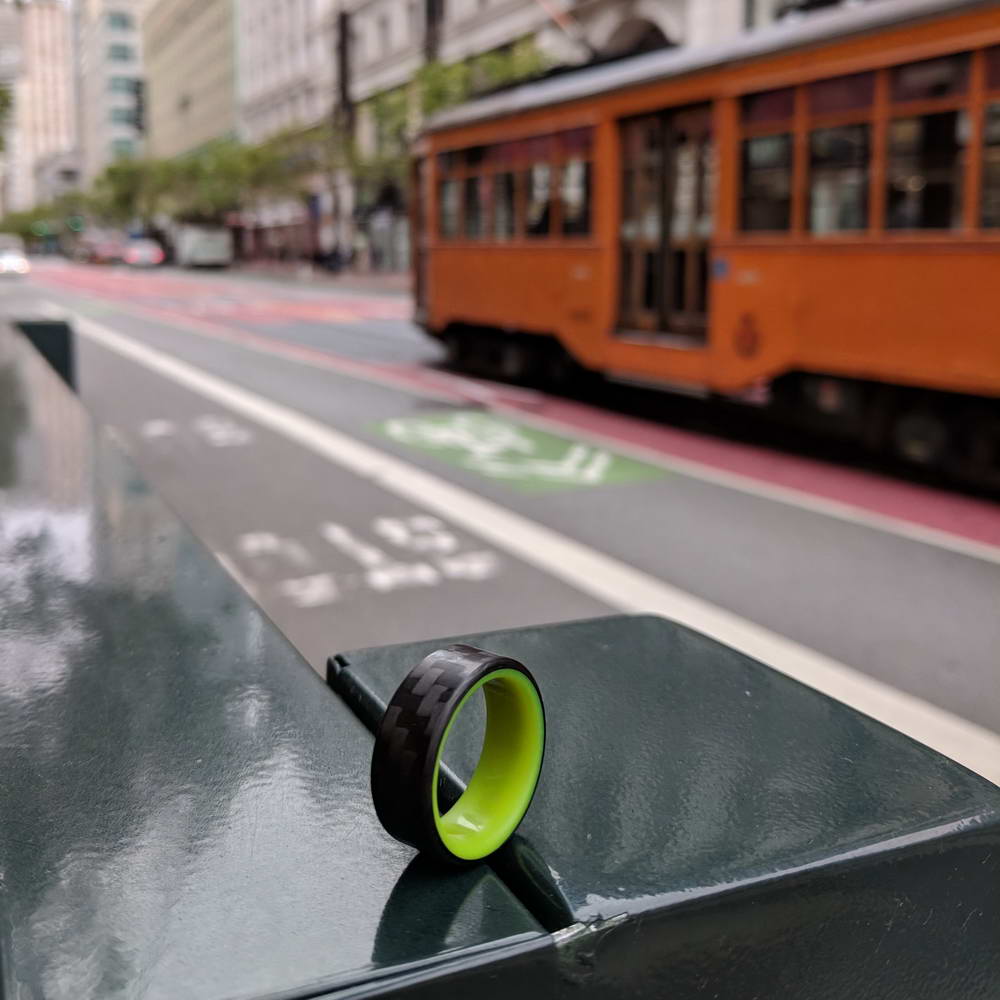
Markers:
528,459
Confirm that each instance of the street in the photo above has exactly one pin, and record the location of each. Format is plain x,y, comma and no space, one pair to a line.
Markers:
365,496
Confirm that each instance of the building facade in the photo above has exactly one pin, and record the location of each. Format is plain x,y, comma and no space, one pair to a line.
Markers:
10,42
189,51
44,113
284,65
285,83
10,67
110,83
56,175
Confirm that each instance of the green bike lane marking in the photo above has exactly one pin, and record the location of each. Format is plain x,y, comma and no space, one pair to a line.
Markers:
528,459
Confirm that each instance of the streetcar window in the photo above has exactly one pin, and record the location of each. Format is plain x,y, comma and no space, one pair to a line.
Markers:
575,192
838,179
769,106
767,183
539,208
472,205
678,288
842,93
991,168
447,162
701,288
685,170
931,78
504,206
650,281
448,205
993,68
924,183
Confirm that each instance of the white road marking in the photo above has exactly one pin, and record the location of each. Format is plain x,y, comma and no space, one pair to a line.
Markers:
478,565
231,568
497,448
397,575
579,464
153,429
314,591
603,577
479,435
420,533
263,544
788,495
384,574
343,539
221,432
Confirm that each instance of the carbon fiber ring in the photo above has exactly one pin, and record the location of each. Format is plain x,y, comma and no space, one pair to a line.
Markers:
411,738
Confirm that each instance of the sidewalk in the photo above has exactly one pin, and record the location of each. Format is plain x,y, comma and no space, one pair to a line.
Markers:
304,273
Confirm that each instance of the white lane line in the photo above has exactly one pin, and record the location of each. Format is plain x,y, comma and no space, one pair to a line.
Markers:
453,388
591,572
233,570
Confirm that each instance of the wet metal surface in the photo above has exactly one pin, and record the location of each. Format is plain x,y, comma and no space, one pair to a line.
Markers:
184,806
716,812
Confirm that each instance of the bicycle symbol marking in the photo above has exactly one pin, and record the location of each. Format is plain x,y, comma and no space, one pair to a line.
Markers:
501,450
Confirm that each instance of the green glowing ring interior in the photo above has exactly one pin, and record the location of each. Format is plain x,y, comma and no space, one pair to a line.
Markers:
500,789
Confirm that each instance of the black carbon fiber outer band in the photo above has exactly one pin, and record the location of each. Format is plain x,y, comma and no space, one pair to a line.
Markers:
410,733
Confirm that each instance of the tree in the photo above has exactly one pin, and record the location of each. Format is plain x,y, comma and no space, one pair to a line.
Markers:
6,106
132,189
209,184
204,186
55,219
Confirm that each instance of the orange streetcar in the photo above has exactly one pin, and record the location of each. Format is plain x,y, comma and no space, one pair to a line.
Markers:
809,215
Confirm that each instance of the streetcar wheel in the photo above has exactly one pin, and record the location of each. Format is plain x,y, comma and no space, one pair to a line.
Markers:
456,353
921,437
558,368
514,360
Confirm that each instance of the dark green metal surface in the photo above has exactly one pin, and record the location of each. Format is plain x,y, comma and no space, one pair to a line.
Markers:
184,805
185,811
720,830
53,339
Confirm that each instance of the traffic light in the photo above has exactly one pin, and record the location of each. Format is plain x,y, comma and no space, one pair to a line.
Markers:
139,116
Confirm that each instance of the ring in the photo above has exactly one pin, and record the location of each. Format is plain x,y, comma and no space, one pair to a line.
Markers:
411,738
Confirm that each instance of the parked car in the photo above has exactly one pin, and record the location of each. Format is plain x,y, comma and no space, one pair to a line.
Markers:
100,251
143,253
202,246
13,262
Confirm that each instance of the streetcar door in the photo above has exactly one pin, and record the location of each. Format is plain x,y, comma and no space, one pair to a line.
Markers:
668,171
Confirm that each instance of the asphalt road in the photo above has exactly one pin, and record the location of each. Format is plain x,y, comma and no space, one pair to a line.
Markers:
364,496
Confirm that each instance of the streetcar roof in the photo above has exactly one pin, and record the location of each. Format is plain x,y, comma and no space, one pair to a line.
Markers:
820,26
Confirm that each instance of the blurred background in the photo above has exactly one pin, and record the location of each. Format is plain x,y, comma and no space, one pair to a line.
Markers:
589,305
285,123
